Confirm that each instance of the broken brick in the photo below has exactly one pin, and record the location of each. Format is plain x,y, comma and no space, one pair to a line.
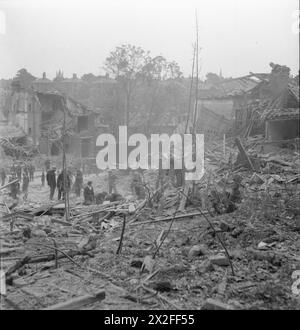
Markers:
197,250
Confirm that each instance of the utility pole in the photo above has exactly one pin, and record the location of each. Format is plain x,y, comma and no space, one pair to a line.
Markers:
196,91
191,91
197,75
64,161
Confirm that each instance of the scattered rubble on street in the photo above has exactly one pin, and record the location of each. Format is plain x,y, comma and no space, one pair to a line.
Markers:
139,255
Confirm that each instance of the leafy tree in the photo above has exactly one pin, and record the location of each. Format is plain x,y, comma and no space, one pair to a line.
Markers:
89,77
146,82
158,68
24,78
213,78
126,63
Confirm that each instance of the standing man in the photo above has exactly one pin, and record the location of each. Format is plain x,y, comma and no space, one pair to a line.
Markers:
78,183
179,177
60,184
31,172
25,185
51,180
137,184
14,188
88,194
3,176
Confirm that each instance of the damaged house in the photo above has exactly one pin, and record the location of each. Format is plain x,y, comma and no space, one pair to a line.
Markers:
230,98
220,104
243,100
80,125
18,133
39,116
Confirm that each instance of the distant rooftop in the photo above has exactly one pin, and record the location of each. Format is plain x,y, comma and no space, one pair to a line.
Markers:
233,86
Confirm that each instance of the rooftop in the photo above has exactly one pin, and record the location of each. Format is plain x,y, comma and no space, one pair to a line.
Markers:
282,114
233,86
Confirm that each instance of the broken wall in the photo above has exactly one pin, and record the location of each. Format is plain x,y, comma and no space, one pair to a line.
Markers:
25,112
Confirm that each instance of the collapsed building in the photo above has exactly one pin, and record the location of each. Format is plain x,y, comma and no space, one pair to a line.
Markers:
251,100
39,115
99,93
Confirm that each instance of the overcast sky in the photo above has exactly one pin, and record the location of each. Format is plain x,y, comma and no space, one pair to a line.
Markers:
236,36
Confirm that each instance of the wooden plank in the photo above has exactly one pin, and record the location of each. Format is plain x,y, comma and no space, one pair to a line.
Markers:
78,302
180,216
17,214
244,154
8,184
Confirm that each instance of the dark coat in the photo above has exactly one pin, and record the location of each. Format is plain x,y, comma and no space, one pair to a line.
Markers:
51,178
60,182
88,194
25,183
3,174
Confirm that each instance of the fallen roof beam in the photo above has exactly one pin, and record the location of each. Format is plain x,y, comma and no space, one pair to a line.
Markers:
78,302
8,184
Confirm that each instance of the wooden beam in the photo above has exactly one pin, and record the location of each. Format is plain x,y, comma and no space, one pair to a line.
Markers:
244,154
76,303
180,216
9,183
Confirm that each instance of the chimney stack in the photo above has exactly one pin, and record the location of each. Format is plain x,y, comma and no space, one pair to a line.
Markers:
279,79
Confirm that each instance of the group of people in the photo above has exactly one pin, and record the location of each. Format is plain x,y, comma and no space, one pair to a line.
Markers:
16,172
17,178
63,182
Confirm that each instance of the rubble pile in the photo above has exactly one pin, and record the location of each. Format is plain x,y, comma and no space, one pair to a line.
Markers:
229,241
